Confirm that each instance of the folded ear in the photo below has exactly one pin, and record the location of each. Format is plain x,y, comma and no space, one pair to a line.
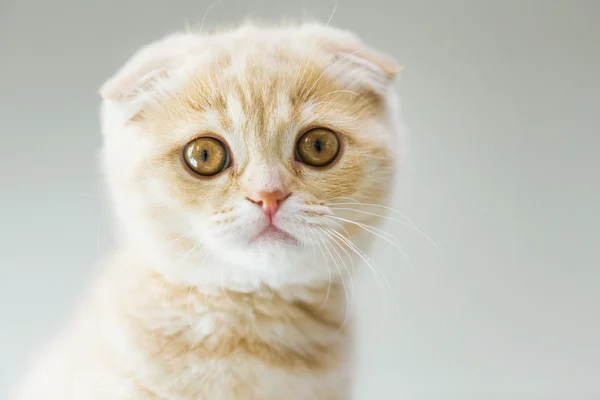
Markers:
359,52
148,67
359,64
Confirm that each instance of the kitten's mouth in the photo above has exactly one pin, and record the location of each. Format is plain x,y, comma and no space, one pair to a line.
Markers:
273,234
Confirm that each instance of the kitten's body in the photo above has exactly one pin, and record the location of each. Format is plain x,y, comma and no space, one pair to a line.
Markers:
187,309
142,337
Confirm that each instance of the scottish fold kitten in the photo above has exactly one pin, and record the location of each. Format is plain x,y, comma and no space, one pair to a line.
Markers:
228,158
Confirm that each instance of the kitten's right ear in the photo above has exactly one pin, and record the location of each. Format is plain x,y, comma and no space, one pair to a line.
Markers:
148,67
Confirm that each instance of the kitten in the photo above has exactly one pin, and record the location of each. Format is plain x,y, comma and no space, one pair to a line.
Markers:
228,158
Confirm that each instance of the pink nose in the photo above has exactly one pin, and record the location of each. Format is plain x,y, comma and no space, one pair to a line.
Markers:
269,201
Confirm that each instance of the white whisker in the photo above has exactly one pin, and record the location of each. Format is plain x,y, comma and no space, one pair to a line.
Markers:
349,304
208,10
379,233
314,239
411,226
312,53
379,276
318,242
346,316
356,203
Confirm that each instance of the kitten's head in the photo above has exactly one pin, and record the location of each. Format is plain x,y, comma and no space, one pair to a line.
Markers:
228,155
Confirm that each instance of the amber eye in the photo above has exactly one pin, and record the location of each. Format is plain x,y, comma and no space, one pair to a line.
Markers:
318,147
206,156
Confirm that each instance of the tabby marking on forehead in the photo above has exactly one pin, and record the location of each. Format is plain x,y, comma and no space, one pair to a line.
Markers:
235,113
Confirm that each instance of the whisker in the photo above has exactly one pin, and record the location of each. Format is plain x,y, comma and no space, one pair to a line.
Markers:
328,271
411,226
185,255
346,316
349,304
326,232
356,203
312,52
332,14
350,258
178,238
379,276
379,233
208,10
309,231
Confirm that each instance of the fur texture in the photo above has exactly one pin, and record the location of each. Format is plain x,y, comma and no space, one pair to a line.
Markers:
190,307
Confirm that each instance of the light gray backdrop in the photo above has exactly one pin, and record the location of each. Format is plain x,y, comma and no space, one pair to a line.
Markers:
502,98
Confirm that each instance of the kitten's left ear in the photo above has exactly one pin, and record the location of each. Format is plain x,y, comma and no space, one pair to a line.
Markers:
359,64
386,64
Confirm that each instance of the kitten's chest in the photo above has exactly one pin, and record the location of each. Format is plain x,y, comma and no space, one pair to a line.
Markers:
249,379
183,343
217,355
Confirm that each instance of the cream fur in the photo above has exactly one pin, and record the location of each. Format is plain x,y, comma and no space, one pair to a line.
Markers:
187,309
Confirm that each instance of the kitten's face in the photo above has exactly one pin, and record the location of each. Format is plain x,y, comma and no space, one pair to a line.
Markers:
236,160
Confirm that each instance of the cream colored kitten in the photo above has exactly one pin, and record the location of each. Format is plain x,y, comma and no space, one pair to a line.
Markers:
228,158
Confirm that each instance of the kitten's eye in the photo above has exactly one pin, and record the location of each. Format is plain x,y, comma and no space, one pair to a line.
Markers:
206,156
318,147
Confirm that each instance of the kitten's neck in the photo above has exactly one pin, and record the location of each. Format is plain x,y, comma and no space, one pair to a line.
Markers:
146,286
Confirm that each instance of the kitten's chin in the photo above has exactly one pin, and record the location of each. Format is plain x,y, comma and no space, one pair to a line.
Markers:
273,235
275,259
